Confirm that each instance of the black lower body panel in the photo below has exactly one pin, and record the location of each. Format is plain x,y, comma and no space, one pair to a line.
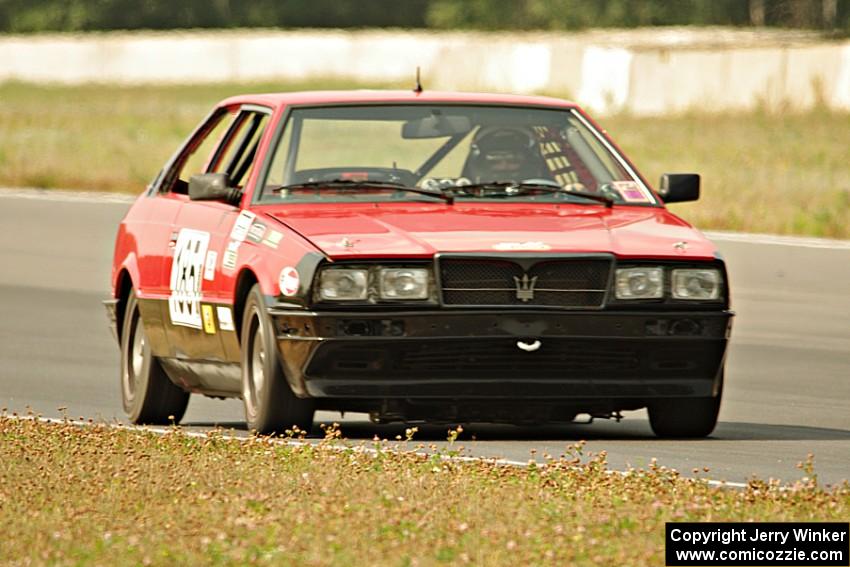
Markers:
600,359
498,368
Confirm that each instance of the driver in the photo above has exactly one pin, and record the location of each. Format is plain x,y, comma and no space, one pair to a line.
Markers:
504,154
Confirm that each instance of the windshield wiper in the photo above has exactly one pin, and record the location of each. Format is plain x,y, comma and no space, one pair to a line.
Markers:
513,188
346,184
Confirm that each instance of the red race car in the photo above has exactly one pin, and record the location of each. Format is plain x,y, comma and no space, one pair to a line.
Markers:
418,256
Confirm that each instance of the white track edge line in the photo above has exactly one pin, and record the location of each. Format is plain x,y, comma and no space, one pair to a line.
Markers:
67,195
778,240
299,443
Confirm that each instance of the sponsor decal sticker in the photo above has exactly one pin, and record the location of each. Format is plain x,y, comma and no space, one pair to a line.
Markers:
289,281
225,318
184,304
209,319
273,239
209,265
228,261
242,226
511,246
256,232
631,192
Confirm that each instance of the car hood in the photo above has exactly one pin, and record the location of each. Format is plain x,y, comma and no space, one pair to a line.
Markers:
379,230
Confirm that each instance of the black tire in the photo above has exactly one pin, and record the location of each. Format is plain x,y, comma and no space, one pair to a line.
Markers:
270,404
685,417
148,395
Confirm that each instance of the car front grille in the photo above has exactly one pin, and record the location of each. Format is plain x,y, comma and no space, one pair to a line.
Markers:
472,361
579,282
502,358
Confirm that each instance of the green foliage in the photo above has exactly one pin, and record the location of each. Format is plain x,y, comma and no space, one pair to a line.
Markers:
85,15
576,14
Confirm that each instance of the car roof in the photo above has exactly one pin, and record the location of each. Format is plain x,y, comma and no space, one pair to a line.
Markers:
405,97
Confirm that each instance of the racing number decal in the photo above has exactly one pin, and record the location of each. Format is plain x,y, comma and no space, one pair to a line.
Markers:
187,268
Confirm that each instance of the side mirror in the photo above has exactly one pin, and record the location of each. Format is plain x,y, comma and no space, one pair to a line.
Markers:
213,187
679,187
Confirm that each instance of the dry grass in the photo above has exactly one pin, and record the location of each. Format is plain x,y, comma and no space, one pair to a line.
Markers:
103,136
769,172
762,172
96,495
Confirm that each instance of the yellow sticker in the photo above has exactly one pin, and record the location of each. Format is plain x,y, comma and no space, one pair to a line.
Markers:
209,320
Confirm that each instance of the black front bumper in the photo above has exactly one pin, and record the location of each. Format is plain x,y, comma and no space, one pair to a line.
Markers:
474,355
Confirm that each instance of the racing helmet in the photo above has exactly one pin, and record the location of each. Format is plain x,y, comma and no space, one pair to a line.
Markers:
498,152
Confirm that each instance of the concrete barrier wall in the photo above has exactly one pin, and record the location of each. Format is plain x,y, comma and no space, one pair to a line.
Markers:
645,72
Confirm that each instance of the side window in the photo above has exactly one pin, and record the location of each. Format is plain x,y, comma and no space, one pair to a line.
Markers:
277,175
198,153
236,156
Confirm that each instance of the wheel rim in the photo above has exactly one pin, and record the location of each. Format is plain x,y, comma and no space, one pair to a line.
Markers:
135,359
256,375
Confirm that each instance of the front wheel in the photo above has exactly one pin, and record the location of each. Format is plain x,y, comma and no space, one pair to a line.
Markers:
270,404
148,395
685,417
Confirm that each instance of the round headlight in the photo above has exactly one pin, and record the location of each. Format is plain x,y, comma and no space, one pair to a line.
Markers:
345,285
703,285
404,283
640,283
340,284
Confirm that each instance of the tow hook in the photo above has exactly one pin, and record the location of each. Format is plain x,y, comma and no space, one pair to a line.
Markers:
528,347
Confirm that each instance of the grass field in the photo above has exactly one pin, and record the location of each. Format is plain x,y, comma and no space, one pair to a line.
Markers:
73,495
774,172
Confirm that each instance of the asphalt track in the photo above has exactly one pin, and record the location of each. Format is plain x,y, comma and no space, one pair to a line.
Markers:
788,374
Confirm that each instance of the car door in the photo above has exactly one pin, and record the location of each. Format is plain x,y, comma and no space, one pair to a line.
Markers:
150,225
200,315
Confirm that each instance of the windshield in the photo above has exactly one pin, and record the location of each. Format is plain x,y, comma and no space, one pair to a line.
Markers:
444,147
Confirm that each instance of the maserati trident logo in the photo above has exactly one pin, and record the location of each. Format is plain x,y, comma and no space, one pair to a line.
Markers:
525,287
